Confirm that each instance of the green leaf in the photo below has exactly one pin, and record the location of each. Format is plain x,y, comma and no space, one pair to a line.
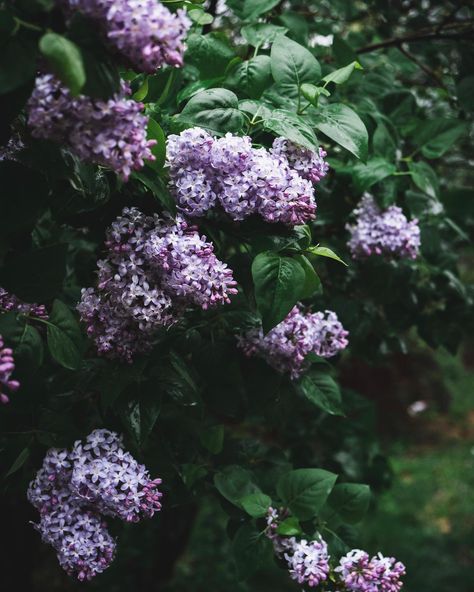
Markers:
351,501
251,77
435,137
312,93
150,408
178,380
343,74
141,93
279,283
292,127
424,177
384,143
30,347
289,527
159,149
312,282
196,87
155,184
326,252
256,504
374,171
65,59
216,109
64,337
210,54
344,126
256,109
293,65
200,17
250,548
254,8
213,439
321,390
261,33
17,64
18,462
235,483
305,491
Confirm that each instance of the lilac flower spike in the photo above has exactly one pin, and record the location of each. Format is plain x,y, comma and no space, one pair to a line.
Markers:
111,133
7,366
360,573
205,171
154,269
382,232
10,302
288,344
144,32
72,490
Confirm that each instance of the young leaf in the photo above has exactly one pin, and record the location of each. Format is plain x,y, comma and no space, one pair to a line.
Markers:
343,74
289,527
279,283
305,491
326,252
65,59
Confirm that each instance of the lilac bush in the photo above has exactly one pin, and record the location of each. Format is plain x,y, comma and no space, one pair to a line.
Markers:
74,489
154,269
144,32
111,133
287,345
275,184
382,232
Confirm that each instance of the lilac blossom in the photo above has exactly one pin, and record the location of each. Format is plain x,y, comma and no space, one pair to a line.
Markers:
11,148
10,302
382,232
144,32
287,345
111,133
72,490
360,573
310,165
154,269
308,561
7,366
243,179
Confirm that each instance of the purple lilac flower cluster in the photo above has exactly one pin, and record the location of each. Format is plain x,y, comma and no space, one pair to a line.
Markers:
10,302
12,147
276,184
360,573
144,32
288,344
310,165
111,133
383,232
153,270
73,489
7,365
308,562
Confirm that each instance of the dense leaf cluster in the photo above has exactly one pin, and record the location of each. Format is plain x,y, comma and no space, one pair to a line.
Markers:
390,100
